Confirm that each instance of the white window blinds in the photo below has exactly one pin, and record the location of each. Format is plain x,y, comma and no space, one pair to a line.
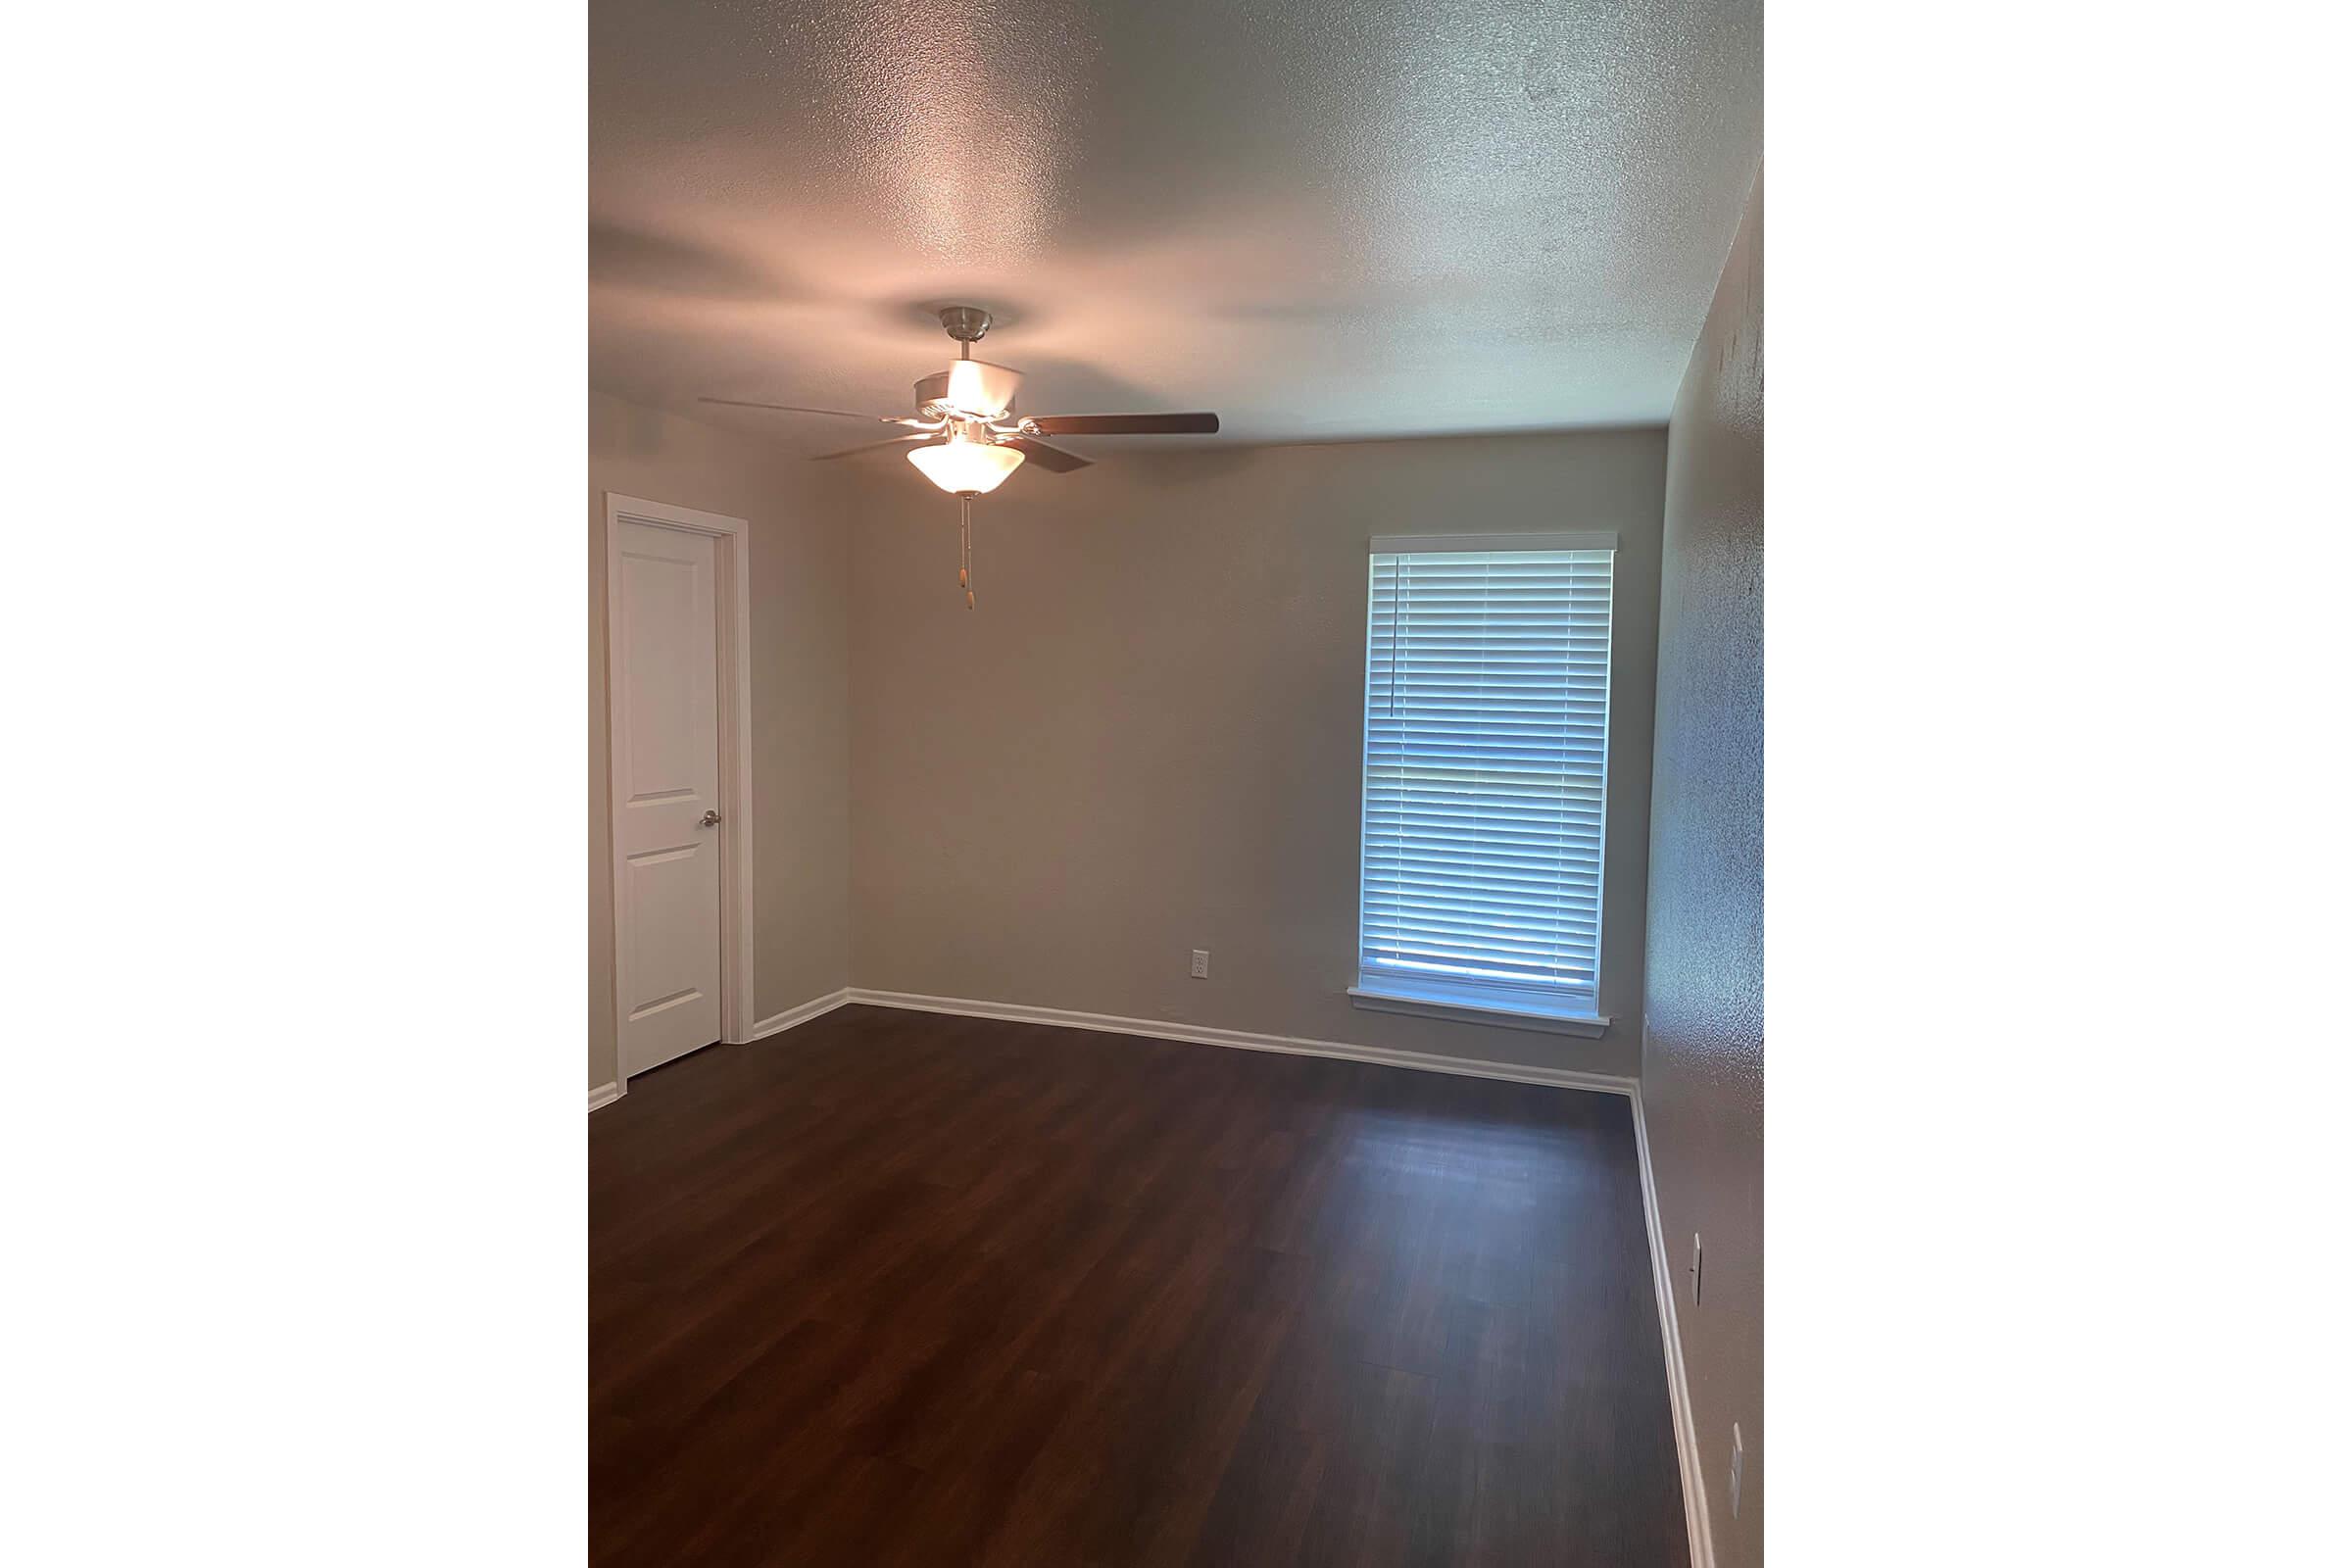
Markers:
1485,766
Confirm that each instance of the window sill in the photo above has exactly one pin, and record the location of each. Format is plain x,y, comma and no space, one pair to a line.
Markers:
1384,995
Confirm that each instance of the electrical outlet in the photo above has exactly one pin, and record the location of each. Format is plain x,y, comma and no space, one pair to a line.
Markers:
1199,964
1738,1464
1699,1273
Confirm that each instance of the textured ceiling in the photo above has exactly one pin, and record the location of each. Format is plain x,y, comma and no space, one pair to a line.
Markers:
1321,218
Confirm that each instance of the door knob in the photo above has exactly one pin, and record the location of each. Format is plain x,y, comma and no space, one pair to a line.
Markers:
710,820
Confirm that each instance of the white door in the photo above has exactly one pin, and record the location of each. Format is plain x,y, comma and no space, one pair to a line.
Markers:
665,756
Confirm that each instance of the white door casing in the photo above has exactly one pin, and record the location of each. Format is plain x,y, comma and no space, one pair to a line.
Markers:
678,669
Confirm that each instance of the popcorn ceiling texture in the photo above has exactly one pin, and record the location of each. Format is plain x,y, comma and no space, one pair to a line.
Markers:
1322,219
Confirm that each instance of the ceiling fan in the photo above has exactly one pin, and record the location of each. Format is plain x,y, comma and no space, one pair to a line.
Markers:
968,439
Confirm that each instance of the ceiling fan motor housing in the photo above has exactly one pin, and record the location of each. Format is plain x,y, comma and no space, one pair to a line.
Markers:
971,387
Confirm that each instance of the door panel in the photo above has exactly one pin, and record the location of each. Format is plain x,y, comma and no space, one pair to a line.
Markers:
665,740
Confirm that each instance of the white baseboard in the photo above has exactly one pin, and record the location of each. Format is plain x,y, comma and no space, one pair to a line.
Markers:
604,1095
1243,1040
801,1015
1696,1515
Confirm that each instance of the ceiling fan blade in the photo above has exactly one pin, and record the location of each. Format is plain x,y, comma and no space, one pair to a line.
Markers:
1051,459
1124,423
872,446
795,407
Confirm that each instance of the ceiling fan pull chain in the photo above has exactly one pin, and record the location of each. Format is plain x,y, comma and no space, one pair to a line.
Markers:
963,573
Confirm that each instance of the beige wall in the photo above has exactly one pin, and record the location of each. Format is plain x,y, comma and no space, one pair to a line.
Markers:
800,690
1149,737
1702,1062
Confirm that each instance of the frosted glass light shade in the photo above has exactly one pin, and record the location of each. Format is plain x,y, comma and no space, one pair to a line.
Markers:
966,468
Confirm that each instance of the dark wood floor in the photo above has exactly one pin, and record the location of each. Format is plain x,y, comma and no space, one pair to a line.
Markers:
907,1289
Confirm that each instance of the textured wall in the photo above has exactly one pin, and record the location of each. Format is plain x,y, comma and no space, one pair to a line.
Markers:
1150,736
800,690
1703,1059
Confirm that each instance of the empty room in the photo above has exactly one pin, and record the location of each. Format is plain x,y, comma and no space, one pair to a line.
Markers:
1177,681
1176,822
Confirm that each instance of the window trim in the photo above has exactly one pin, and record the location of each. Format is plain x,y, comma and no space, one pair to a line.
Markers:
1437,544
1375,994
1386,991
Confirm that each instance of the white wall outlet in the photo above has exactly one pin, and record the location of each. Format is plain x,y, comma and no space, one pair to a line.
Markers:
1738,1464
1199,964
1699,1273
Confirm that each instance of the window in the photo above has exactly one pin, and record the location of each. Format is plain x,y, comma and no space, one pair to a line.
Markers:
1486,775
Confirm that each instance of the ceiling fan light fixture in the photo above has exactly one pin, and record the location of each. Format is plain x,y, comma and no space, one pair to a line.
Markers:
964,468
971,439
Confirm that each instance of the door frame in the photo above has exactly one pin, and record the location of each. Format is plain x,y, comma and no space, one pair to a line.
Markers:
732,604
